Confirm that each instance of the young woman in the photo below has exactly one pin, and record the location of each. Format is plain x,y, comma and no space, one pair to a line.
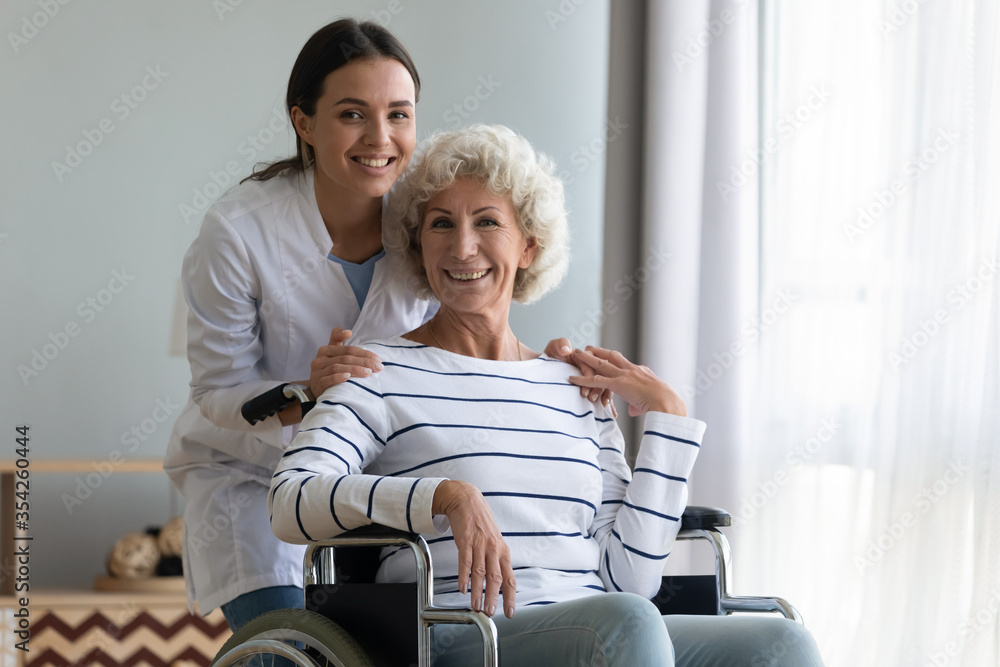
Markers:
282,261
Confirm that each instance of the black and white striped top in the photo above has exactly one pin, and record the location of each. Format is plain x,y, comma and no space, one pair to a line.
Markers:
549,462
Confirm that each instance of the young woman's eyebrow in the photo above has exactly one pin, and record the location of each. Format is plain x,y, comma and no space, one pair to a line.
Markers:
362,103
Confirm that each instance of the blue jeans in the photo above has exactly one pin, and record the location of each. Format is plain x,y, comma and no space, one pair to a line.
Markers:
249,606
625,630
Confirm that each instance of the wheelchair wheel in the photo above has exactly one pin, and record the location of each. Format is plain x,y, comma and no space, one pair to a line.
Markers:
302,638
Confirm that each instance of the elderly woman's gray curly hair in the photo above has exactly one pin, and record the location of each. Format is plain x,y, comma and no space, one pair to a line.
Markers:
508,166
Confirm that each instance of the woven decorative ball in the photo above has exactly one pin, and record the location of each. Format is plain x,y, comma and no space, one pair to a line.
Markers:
171,538
134,556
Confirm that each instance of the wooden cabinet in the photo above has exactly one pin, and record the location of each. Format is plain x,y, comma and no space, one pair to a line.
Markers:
92,627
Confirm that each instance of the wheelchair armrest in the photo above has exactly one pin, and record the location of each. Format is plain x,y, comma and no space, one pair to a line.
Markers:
373,534
696,516
358,550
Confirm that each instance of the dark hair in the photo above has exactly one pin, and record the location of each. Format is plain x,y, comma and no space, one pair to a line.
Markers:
330,48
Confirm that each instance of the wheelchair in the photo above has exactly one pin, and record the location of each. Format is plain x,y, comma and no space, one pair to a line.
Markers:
351,621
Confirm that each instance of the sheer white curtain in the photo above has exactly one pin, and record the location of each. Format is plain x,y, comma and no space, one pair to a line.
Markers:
700,124
873,501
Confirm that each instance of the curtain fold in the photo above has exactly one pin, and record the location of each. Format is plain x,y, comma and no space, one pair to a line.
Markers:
700,130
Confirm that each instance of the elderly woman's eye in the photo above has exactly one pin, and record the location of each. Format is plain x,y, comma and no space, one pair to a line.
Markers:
440,223
488,222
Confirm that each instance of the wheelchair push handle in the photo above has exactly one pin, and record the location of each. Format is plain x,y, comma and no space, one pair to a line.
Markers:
274,401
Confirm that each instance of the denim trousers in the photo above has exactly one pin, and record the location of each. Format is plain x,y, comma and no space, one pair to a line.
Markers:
626,630
606,630
249,606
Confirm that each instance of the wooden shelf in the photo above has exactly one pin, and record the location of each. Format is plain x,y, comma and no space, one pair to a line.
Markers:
82,597
8,497
88,465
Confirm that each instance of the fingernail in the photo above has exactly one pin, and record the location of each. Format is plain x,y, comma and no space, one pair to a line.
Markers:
368,371
565,349
378,365
509,612
606,401
492,609
345,376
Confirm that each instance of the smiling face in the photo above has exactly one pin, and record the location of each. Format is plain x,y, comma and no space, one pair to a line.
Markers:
364,130
472,247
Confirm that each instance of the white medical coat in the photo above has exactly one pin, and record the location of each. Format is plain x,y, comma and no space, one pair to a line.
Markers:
262,298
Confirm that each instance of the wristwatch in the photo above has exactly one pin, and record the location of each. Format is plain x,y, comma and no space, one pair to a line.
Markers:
275,400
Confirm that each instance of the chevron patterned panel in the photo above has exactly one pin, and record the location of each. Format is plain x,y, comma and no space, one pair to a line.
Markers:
124,634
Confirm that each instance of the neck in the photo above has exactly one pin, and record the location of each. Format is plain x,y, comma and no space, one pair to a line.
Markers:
354,221
472,336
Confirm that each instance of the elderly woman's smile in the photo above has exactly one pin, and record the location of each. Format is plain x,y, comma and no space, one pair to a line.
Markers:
472,247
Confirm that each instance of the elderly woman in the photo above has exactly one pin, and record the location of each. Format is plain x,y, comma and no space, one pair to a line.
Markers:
518,483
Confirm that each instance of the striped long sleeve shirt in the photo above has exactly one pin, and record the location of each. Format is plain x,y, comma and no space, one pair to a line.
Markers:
550,464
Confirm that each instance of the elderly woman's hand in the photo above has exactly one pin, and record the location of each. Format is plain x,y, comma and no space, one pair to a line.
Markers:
559,348
483,556
636,384
336,363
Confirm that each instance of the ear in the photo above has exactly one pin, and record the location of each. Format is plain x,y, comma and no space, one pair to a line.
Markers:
303,124
528,255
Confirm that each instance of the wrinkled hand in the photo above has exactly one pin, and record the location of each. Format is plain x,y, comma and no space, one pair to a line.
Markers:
336,363
559,348
483,556
636,384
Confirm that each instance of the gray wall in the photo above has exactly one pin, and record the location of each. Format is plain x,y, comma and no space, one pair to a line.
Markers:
156,99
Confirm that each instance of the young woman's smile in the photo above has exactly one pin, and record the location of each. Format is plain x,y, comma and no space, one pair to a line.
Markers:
364,130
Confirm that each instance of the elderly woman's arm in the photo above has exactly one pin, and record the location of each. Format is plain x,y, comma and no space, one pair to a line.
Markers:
318,490
640,514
